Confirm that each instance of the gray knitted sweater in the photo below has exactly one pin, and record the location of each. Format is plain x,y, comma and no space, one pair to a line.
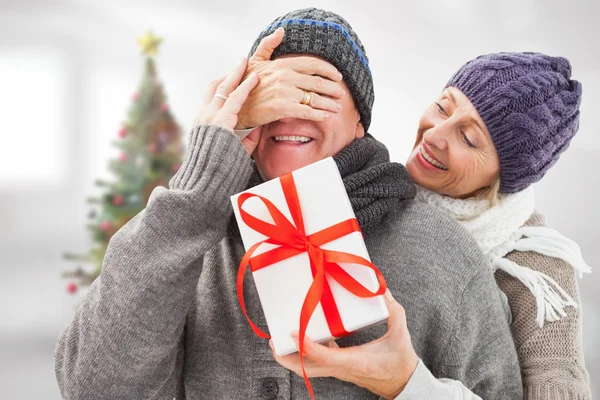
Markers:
163,321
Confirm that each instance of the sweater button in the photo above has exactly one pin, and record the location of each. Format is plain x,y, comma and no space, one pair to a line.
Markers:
269,389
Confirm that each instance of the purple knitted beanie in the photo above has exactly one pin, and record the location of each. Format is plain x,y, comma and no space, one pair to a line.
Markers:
530,106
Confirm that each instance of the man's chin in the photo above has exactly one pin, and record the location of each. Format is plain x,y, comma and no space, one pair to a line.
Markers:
276,168
273,172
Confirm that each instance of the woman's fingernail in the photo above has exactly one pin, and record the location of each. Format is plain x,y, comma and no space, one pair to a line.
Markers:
325,115
338,106
271,344
242,60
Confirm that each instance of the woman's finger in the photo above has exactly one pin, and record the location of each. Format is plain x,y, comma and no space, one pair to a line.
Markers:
237,98
210,91
311,66
228,85
300,111
227,116
267,46
318,84
318,101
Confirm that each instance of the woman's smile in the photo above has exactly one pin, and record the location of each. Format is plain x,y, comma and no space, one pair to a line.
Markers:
428,160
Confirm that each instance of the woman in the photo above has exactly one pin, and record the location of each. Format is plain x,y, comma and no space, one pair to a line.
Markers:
502,121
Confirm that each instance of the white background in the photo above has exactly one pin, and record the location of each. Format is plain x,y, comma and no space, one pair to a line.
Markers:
68,70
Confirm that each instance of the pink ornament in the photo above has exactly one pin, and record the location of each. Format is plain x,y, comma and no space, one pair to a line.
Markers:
135,96
123,157
118,200
175,167
163,138
71,287
122,132
152,148
164,107
105,225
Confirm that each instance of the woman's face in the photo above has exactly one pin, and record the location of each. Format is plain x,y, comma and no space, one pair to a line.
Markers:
454,154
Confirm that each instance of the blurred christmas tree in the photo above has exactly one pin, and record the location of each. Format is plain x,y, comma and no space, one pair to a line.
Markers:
150,153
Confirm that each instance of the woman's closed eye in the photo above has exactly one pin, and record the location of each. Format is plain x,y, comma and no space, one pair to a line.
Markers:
466,140
441,109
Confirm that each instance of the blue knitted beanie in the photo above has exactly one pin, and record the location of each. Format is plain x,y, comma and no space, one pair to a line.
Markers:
530,106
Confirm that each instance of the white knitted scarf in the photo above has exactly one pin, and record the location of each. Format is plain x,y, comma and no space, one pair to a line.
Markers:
500,229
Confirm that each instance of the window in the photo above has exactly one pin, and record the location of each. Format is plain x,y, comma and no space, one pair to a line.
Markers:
32,117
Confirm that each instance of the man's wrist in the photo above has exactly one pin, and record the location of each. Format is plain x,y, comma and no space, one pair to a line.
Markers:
407,373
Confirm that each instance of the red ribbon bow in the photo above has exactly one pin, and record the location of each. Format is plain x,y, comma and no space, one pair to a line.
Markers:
293,241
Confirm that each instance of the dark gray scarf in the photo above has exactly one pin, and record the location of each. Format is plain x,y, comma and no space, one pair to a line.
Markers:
373,183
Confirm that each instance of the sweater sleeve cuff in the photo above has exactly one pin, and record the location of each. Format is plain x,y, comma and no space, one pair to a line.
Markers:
242,133
420,385
215,162
556,392
423,385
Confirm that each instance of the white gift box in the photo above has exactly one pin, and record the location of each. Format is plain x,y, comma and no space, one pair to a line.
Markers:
282,286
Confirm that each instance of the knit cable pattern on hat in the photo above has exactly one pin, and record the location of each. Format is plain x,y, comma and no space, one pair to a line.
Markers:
529,105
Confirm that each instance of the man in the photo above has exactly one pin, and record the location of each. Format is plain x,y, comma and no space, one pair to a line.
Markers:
163,320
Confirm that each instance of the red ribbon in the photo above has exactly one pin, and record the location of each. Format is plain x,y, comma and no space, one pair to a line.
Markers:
293,241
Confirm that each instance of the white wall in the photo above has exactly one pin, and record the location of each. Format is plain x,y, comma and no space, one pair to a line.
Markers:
68,69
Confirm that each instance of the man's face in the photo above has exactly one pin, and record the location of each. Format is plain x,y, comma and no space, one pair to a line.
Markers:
290,143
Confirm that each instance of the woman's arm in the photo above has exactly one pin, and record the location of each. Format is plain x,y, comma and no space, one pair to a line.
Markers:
480,353
126,339
551,357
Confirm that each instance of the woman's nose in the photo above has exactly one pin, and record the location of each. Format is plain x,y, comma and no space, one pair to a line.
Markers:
437,135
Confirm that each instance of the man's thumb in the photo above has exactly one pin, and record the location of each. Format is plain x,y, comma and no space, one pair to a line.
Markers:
267,45
251,141
397,318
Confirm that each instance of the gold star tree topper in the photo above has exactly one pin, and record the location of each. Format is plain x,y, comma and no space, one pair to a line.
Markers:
149,43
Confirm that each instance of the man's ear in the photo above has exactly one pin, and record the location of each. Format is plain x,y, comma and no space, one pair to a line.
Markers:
360,131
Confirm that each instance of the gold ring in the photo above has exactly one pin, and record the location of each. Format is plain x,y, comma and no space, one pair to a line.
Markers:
306,100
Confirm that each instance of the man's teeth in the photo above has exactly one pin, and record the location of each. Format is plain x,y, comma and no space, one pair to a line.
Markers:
431,160
302,139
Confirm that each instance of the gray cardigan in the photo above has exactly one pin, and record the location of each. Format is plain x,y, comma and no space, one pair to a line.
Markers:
163,321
